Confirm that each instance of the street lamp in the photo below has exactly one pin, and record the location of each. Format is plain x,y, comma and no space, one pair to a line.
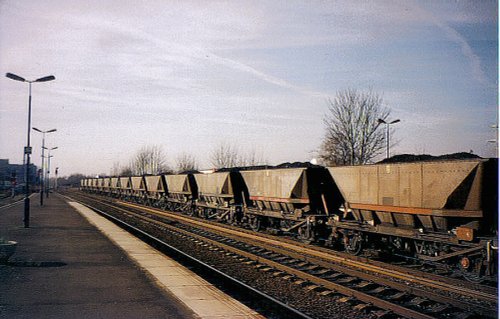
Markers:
43,149
27,149
48,168
381,121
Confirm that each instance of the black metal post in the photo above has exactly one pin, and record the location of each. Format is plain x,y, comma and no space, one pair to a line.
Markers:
42,176
48,174
382,121
27,149
28,153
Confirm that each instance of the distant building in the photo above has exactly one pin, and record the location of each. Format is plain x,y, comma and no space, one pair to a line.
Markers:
16,172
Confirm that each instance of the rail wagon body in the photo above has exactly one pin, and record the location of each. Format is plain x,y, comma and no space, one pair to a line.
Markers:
181,190
125,187
219,194
100,184
155,189
94,185
138,188
115,186
289,198
439,210
88,184
83,184
106,188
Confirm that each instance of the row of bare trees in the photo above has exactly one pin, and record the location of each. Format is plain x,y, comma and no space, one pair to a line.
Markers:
352,137
151,159
227,155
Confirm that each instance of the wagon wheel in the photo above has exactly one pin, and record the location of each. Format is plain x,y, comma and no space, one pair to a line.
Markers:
306,234
228,218
165,206
472,269
190,211
255,223
353,243
204,212
231,217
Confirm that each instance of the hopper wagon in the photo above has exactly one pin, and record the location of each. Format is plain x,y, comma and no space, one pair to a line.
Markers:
115,186
289,199
219,195
125,188
439,212
106,186
155,189
181,191
138,189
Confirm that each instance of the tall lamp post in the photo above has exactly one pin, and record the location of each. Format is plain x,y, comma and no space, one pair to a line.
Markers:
48,168
43,169
27,149
381,121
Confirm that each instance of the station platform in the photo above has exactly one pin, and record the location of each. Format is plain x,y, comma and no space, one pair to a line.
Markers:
73,263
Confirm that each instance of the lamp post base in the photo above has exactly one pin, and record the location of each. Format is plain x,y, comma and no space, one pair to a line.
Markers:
26,212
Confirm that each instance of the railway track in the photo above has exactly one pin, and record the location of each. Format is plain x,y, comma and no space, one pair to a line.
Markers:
366,287
259,299
9,201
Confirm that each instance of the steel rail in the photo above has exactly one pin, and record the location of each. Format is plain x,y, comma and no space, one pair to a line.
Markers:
15,203
380,303
478,309
340,260
366,298
484,311
375,301
284,309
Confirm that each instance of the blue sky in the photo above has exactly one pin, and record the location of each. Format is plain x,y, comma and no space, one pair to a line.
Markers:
188,75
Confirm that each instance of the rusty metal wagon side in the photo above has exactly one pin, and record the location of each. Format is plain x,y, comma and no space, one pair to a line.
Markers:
181,192
219,194
435,211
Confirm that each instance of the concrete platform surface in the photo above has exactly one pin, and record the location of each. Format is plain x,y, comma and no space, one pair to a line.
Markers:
65,267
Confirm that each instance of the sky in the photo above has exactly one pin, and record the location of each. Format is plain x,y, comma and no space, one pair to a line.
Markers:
189,75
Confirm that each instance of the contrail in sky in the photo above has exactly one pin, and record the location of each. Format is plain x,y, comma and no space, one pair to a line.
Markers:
198,53
475,61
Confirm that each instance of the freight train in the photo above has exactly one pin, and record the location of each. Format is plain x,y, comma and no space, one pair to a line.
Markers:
437,212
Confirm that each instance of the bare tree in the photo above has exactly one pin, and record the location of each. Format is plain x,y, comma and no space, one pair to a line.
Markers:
224,156
251,158
186,162
125,171
351,124
115,171
149,160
